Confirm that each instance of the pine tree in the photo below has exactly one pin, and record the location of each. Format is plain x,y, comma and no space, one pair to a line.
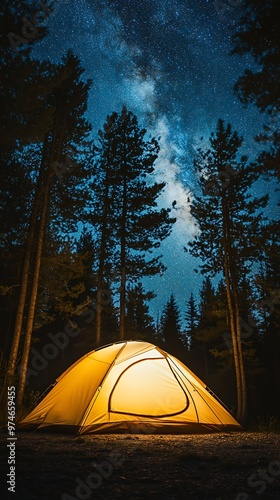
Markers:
24,115
230,229
130,223
212,323
101,214
86,250
138,322
191,318
171,328
258,35
62,290
211,311
23,121
68,126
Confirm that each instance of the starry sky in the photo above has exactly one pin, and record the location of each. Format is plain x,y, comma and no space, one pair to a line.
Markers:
169,63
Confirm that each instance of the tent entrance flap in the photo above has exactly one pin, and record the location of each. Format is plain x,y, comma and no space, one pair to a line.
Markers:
148,388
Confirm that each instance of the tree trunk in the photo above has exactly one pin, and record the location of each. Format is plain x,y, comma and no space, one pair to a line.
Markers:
55,150
234,285
243,411
34,293
233,337
123,261
102,262
233,310
98,307
207,378
122,302
24,283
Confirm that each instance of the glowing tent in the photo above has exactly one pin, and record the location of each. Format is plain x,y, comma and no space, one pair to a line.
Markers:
129,387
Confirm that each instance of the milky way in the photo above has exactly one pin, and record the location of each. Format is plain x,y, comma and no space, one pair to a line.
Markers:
169,63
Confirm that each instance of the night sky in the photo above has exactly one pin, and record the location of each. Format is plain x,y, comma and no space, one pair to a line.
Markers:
169,63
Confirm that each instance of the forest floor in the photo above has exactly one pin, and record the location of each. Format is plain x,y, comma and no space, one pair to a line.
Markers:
237,466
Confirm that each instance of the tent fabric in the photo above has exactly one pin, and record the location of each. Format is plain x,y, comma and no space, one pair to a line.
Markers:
129,386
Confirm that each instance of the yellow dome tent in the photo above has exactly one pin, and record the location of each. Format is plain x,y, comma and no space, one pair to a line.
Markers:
129,386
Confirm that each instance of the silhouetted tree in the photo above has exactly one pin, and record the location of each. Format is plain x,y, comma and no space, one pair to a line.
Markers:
23,121
212,323
171,328
139,323
131,223
67,127
231,232
191,318
258,35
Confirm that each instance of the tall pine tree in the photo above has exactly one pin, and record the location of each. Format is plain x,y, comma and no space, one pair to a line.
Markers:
130,223
67,101
230,229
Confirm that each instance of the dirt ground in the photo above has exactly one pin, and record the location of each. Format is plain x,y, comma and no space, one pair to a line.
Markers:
237,466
